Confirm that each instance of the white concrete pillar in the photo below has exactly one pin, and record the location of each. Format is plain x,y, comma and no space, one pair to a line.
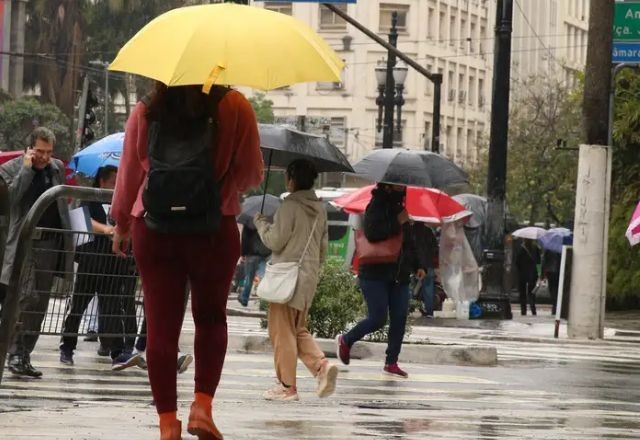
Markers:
588,278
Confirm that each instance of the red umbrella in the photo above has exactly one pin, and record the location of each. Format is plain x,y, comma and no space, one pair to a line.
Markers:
425,205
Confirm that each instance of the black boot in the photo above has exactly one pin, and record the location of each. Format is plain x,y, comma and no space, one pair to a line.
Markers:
21,366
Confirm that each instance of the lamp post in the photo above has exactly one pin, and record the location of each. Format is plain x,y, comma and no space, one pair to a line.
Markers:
390,77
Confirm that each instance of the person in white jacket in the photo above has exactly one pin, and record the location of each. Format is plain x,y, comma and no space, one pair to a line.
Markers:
287,238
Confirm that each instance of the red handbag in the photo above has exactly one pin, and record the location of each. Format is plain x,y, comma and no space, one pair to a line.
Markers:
380,252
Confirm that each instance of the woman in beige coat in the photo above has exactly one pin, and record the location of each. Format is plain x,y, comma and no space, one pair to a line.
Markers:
287,237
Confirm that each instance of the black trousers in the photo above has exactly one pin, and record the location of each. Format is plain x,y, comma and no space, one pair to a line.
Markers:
525,288
110,278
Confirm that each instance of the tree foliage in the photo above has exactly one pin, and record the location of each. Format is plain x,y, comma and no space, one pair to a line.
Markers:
624,262
541,178
263,108
18,118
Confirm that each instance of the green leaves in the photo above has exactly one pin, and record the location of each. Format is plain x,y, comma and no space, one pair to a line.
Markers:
18,118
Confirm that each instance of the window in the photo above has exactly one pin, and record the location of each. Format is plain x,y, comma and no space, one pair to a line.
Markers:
463,33
330,21
281,7
481,96
338,132
442,29
473,38
453,31
431,23
427,135
459,145
472,90
397,135
386,11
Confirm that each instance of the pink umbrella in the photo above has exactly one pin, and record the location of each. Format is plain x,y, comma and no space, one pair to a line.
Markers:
633,231
423,204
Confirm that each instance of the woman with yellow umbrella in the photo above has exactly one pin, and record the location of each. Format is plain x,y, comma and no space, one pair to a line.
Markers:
189,151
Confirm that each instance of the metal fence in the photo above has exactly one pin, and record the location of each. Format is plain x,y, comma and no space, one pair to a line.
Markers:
57,273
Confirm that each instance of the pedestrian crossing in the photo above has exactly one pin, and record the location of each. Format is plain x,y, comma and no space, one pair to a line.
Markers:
539,390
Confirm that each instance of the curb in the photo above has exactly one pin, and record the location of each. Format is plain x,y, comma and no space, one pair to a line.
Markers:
459,355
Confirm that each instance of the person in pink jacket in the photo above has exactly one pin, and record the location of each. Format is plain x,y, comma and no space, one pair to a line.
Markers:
168,261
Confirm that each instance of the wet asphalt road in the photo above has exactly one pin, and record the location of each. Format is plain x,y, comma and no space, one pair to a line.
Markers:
539,390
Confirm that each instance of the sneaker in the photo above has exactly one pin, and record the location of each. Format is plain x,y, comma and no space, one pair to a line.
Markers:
103,351
327,380
91,336
281,393
184,360
343,352
125,360
21,366
395,370
66,357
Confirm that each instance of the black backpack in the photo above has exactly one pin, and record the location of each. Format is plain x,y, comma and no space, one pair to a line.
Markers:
181,194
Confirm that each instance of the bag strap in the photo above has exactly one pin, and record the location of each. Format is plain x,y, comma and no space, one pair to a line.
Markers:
306,248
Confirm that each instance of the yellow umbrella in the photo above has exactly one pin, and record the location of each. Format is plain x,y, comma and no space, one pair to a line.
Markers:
228,44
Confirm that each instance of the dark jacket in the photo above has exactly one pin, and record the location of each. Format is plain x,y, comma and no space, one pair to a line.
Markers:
18,180
252,245
380,223
426,243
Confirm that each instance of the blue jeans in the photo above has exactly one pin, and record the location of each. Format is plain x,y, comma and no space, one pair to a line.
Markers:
253,265
427,291
384,298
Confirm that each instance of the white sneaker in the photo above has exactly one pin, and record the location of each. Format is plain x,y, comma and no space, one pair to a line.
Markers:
184,360
281,393
327,377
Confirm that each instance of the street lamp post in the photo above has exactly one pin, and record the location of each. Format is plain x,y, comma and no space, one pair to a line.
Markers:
390,79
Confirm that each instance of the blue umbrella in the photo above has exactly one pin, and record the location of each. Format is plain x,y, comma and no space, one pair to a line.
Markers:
106,151
554,238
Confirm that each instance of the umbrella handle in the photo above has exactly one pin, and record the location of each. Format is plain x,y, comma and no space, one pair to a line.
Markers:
266,182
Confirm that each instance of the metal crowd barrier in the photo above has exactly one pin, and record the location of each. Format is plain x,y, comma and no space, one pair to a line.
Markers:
70,268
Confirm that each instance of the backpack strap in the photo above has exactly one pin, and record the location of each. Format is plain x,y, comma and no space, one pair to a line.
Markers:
218,93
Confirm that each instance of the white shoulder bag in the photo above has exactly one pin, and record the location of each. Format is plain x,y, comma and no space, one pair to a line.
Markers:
279,282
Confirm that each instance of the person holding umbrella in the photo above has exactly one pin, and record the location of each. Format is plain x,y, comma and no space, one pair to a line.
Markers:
388,255
196,239
298,233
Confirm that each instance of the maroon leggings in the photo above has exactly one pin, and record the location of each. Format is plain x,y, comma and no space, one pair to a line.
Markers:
166,262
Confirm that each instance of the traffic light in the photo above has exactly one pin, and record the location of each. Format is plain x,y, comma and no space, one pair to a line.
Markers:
87,134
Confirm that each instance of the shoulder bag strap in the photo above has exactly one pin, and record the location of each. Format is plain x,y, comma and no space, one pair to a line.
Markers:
306,248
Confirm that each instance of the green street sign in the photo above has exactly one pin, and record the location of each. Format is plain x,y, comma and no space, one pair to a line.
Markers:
626,22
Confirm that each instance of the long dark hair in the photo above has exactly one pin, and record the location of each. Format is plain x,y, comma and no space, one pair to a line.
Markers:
104,173
181,109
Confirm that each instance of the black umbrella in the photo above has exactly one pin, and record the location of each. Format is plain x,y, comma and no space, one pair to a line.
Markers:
282,145
410,167
252,205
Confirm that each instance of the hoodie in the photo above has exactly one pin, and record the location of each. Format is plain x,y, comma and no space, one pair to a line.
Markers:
287,237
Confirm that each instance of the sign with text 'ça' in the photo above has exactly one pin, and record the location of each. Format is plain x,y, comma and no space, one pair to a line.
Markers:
626,32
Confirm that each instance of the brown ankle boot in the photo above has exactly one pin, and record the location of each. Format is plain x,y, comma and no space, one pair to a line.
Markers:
201,423
171,431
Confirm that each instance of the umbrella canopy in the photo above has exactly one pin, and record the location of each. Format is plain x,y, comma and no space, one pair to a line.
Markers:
282,145
477,205
106,151
410,167
228,44
252,205
633,231
553,239
530,232
423,205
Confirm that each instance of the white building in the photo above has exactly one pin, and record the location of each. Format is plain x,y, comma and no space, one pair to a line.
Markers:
453,37
549,36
